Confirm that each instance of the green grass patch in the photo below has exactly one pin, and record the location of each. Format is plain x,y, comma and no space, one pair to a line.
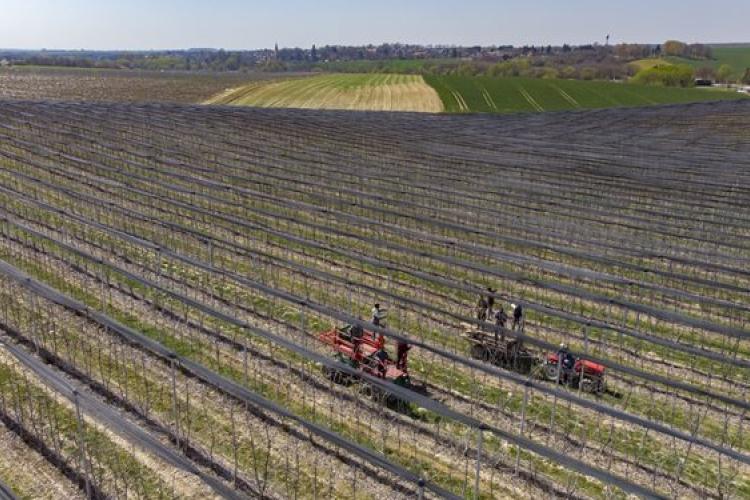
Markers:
519,95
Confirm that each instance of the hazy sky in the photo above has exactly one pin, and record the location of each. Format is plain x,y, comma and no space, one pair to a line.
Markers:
236,24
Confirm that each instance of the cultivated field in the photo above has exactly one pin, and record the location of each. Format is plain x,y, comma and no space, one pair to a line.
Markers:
341,91
165,271
513,95
115,85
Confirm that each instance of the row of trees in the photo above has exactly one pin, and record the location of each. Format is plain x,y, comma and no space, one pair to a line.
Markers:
676,48
588,62
526,69
722,74
665,74
193,60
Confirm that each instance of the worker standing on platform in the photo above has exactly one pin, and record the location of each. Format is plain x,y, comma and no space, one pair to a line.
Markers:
490,303
357,333
517,317
482,308
501,317
378,315
381,356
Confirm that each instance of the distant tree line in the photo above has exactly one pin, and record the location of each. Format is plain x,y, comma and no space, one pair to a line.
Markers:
688,51
190,60
584,62
301,58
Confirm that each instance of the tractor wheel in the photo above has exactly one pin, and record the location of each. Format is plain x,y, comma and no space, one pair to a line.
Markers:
551,371
371,392
478,352
588,385
524,365
338,377
396,403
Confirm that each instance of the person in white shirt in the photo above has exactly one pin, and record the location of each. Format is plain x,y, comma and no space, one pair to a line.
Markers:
377,315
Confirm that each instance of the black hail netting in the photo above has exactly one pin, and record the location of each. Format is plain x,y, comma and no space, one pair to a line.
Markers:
6,493
179,262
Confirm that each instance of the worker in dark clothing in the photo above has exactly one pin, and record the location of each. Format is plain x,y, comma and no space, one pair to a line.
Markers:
567,362
381,357
482,308
357,333
501,318
566,358
401,354
517,316
490,303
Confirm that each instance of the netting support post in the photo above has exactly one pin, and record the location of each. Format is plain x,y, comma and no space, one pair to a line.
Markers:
480,439
554,401
523,422
103,287
158,278
84,459
351,308
586,338
159,264
244,359
175,409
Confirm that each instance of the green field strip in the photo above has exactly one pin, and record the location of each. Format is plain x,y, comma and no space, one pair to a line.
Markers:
515,95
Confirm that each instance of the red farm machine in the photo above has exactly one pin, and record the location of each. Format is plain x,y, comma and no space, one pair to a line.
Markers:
363,350
574,372
504,349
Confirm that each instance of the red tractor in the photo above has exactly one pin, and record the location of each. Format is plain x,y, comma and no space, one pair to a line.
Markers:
574,372
364,351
